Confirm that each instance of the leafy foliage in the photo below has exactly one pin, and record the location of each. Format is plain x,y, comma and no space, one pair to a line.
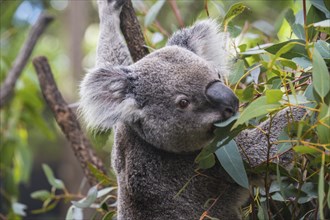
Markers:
278,64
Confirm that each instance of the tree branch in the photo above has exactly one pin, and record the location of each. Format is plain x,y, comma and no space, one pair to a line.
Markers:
131,30
22,58
67,120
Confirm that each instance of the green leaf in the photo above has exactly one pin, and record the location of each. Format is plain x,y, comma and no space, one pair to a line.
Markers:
153,12
232,162
207,162
325,23
302,62
90,198
320,75
41,195
273,96
234,10
105,191
324,48
58,184
323,131
69,213
255,74
257,108
289,16
319,4
227,122
238,72
321,192
109,215
305,150
297,50
313,16
299,31
103,179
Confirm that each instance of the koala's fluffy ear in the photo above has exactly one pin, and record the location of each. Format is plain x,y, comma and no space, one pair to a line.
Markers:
106,97
205,39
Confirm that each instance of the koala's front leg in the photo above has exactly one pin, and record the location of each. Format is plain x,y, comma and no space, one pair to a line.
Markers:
254,144
111,48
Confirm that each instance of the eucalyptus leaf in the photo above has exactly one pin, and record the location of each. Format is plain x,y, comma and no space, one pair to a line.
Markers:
325,23
207,162
324,48
297,50
257,108
88,201
255,74
153,12
58,184
273,95
322,129
232,162
41,195
302,61
227,122
234,10
299,31
237,73
319,4
320,75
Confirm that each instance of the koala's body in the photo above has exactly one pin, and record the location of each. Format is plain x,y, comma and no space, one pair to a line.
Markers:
162,109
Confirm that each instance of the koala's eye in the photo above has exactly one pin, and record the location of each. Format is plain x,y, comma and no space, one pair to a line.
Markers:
183,103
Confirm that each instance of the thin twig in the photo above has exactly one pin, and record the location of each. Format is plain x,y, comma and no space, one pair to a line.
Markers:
67,120
177,13
22,58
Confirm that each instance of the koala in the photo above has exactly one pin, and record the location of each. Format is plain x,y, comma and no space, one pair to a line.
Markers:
162,109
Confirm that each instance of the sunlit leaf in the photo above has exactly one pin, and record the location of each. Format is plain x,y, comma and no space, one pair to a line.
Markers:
58,184
305,149
323,130
289,52
321,192
302,61
90,198
320,74
227,122
153,12
273,96
234,10
257,108
325,23
237,73
255,74
232,162
324,48
105,191
41,195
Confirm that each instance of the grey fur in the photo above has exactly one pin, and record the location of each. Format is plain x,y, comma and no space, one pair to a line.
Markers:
156,141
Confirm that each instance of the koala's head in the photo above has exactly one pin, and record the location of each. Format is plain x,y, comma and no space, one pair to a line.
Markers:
170,98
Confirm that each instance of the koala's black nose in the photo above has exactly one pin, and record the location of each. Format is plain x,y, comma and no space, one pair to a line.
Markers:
223,98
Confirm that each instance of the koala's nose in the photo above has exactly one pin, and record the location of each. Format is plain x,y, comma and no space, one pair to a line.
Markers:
223,98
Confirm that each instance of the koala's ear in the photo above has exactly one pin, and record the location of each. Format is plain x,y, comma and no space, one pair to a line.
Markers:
106,98
205,39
